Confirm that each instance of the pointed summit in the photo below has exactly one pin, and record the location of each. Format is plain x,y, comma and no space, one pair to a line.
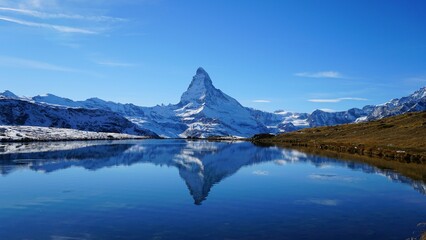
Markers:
201,70
203,78
200,88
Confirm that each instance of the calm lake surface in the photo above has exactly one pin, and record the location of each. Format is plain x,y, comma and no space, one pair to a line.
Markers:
176,189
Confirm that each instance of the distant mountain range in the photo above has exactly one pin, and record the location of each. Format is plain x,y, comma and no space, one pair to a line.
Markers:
203,111
23,112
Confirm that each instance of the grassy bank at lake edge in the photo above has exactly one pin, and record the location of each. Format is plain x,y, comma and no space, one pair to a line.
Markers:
397,143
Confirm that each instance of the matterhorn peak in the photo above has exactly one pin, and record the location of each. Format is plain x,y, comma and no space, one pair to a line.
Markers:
201,78
200,88
201,70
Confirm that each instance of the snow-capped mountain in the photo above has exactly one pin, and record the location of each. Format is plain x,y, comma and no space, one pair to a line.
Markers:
412,103
322,118
280,120
205,111
14,111
96,103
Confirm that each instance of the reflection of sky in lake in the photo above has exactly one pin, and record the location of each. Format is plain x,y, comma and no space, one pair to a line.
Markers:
147,190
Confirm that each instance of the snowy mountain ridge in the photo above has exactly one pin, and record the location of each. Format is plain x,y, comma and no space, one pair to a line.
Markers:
24,112
412,103
204,111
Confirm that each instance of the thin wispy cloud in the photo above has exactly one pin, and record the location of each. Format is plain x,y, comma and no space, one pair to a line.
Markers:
39,4
39,65
336,100
325,74
59,28
261,101
47,15
26,63
60,16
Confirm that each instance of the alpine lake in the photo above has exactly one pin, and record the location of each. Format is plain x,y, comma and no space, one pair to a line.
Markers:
181,189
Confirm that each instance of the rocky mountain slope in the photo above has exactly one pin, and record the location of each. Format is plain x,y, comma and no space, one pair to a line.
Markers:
205,111
413,103
21,112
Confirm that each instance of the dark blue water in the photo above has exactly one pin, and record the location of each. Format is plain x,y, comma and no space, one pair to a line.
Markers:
174,189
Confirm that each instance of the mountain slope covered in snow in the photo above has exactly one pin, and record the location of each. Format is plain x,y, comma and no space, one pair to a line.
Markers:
20,112
34,133
413,103
203,111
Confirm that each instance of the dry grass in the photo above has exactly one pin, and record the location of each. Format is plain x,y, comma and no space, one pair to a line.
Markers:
398,142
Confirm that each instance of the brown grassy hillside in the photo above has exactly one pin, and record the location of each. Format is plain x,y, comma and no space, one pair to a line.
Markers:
399,139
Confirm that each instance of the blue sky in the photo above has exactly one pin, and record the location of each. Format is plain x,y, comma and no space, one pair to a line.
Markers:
292,55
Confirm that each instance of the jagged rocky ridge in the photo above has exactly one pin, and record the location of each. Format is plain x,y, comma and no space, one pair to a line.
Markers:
21,112
205,111
412,103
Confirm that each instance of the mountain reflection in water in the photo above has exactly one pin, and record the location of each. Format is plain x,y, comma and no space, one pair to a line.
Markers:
201,164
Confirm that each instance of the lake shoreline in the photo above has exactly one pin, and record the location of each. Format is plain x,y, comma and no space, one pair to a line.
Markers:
412,170
398,143
370,151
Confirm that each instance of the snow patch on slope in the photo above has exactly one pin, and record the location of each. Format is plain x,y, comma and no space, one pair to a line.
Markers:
32,133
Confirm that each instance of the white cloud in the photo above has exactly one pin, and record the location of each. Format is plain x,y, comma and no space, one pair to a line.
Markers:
37,3
336,100
56,15
325,74
38,65
59,28
46,15
261,101
25,63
